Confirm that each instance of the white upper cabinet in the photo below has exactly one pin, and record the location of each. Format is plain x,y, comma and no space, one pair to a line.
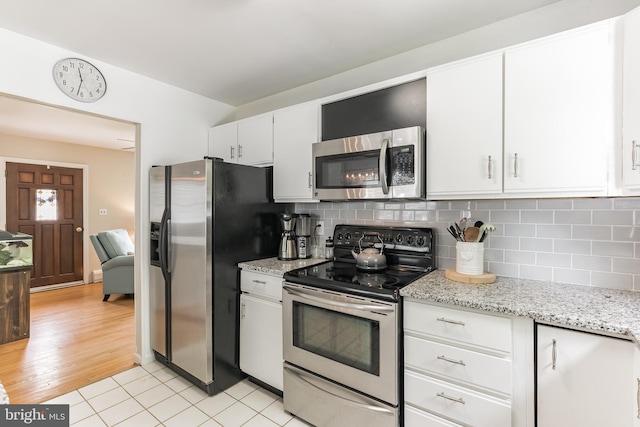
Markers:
559,113
248,141
464,127
295,129
223,142
631,104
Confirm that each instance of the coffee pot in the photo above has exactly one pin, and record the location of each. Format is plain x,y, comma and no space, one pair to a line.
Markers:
288,246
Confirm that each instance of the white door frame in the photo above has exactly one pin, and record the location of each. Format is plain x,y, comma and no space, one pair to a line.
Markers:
85,201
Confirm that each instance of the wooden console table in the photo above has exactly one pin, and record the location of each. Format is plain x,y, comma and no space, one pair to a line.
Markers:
15,300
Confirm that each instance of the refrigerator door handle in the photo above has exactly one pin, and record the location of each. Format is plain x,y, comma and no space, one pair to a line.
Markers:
164,244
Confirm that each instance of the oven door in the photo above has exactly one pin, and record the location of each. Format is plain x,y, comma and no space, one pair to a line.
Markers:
382,165
347,339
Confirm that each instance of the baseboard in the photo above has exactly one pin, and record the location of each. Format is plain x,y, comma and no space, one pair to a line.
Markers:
56,286
96,276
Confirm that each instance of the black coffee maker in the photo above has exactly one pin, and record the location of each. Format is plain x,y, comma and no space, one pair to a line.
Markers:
288,246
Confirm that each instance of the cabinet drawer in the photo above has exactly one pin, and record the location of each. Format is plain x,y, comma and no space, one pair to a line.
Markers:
414,417
456,403
261,284
473,368
459,326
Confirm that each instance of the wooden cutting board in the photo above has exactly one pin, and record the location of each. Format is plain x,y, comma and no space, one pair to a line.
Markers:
486,277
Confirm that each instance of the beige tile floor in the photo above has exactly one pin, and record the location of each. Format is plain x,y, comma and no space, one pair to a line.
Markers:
153,395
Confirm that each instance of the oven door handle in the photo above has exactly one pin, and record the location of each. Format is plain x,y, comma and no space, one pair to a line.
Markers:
299,375
382,166
313,297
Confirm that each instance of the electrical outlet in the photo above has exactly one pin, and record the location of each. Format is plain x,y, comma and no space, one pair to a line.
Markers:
102,212
465,214
320,228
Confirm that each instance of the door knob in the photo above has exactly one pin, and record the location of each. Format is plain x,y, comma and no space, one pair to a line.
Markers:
78,229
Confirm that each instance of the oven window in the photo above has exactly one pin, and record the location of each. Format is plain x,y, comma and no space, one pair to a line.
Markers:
352,170
347,339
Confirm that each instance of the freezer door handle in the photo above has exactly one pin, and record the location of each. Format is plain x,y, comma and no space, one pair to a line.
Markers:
163,244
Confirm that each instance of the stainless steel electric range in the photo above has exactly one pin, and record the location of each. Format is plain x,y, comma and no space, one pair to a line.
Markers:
343,326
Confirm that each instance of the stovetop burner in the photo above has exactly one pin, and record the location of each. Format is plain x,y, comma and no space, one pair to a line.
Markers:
409,253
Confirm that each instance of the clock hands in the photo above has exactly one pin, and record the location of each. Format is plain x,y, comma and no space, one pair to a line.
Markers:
81,80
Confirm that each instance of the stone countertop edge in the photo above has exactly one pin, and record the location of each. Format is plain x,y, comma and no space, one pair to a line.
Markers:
604,310
276,267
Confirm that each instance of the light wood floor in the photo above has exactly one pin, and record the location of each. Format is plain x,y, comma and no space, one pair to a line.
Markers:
75,340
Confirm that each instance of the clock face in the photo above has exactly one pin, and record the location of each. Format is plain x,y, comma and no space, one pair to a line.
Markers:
79,79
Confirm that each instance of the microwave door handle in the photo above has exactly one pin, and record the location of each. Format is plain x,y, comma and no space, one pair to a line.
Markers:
382,166
364,307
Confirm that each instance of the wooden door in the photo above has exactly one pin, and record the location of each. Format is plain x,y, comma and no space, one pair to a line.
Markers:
46,203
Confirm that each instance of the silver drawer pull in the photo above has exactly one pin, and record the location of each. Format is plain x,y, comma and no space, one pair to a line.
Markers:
638,397
455,322
454,399
554,355
262,282
446,359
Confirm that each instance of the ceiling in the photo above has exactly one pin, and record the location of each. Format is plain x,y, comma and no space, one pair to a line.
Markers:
238,51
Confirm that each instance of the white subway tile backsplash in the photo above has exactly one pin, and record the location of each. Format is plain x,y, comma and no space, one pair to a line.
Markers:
612,217
554,231
553,260
582,247
536,217
617,249
593,263
589,241
572,217
592,232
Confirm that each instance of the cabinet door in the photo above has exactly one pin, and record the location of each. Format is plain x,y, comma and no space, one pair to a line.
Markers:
255,140
223,141
464,127
261,339
583,379
294,131
559,104
631,103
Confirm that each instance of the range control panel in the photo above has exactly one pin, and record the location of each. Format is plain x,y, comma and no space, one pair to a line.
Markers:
417,239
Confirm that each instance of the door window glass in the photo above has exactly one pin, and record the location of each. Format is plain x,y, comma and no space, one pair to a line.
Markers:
46,205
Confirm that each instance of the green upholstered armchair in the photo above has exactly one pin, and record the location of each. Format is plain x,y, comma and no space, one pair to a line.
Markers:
115,250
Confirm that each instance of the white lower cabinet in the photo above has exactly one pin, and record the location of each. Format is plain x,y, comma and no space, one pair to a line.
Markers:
261,327
459,367
584,379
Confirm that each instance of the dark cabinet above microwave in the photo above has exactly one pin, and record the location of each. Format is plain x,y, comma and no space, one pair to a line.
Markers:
395,107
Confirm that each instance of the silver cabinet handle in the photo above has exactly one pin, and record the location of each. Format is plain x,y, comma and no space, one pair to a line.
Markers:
232,151
455,322
239,150
310,180
515,165
262,282
638,397
634,155
554,354
446,359
489,167
243,308
455,399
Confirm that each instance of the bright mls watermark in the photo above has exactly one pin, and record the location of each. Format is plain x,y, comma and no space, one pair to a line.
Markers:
34,415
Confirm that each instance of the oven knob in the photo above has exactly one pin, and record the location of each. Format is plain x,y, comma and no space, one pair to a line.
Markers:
347,236
339,236
399,238
421,241
410,240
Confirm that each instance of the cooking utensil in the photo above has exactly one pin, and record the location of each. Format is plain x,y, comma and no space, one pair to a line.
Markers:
370,259
471,234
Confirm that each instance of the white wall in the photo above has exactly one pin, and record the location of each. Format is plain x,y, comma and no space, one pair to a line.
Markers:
560,16
173,126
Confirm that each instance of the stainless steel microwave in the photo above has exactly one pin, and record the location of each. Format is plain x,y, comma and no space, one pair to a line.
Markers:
377,166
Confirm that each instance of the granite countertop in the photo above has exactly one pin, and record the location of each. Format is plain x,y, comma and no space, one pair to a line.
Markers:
608,311
276,267
4,398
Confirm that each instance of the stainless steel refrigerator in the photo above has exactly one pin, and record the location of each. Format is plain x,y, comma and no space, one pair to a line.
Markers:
206,216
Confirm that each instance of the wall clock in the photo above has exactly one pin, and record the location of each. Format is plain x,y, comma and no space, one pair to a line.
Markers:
79,79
